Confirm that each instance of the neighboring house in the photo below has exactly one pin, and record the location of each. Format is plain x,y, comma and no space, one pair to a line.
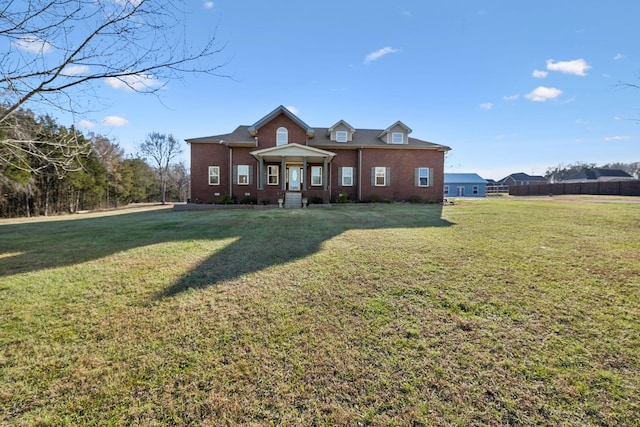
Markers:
280,155
464,185
523,179
599,175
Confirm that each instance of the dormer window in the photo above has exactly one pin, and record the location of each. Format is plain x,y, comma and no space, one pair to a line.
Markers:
341,136
397,138
282,136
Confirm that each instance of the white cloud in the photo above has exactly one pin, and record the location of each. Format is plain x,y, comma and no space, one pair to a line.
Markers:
209,5
618,57
85,124
486,106
373,56
115,121
539,74
32,44
138,82
617,138
74,70
541,94
577,66
511,97
293,109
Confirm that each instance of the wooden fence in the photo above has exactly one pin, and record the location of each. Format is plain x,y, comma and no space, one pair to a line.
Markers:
614,188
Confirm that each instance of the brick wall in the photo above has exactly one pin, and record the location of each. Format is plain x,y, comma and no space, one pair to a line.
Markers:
203,156
267,133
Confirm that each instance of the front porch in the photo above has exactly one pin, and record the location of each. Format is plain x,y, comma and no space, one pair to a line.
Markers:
292,172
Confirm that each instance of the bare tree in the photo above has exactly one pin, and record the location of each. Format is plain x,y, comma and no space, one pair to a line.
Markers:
161,149
56,50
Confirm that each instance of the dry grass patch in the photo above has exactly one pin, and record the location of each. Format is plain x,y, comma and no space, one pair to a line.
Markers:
484,313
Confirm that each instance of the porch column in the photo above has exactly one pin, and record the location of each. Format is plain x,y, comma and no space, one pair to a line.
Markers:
283,174
325,175
261,174
304,171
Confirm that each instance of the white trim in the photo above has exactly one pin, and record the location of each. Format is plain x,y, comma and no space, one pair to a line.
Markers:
350,176
380,172
318,175
421,177
217,175
270,169
243,174
282,136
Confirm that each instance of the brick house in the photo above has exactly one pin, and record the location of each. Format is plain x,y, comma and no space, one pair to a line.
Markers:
280,156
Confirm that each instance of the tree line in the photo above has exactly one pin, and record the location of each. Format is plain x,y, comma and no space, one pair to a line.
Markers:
562,171
97,175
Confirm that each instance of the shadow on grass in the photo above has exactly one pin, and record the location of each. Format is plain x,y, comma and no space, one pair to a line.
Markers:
263,237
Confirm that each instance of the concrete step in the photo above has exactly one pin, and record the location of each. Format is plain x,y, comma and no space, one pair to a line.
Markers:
293,200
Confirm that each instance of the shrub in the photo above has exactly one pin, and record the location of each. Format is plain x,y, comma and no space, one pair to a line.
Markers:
317,200
226,200
415,199
248,200
342,198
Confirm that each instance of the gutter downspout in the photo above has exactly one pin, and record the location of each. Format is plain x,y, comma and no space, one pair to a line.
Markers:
230,172
359,174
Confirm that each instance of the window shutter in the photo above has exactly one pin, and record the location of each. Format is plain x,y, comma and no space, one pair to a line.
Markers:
430,177
387,177
355,174
373,176
416,177
340,176
235,174
250,175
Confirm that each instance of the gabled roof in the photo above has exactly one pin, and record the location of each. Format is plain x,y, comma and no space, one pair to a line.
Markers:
320,137
595,174
368,138
463,178
521,176
280,110
398,123
341,122
240,136
293,150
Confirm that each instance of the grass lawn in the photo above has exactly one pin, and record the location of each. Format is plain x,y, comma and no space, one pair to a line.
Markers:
493,312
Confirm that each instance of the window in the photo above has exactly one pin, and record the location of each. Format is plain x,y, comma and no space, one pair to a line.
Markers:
397,138
380,176
316,175
347,177
273,172
475,189
214,175
446,190
243,174
423,177
282,136
341,136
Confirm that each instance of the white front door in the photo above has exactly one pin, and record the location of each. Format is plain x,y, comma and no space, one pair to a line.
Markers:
460,191
294,179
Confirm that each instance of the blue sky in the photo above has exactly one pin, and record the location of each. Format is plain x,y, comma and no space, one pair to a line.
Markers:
510,86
